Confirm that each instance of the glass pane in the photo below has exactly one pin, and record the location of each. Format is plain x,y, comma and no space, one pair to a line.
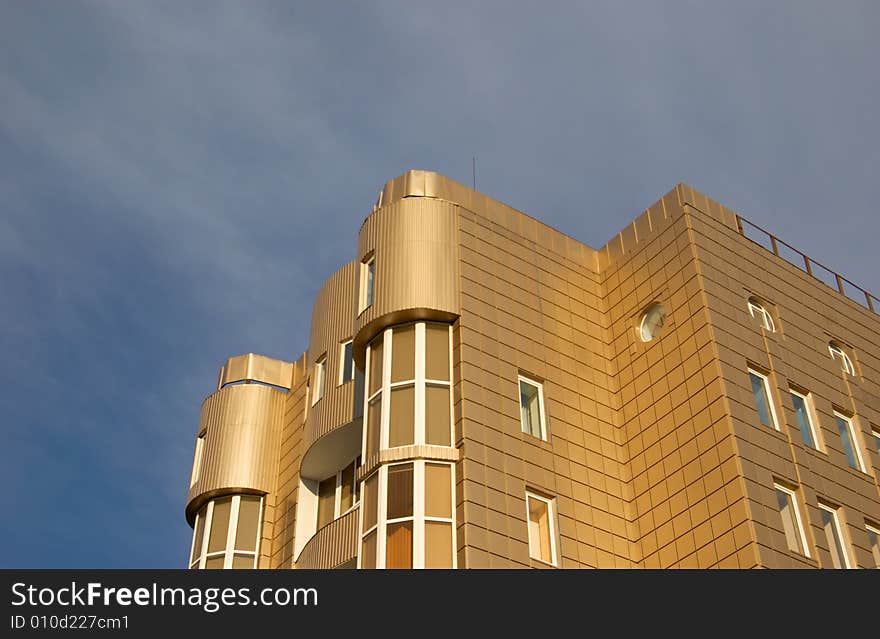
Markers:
371,501
403,354
241,562
248,520
402,419
874,541
438,544
789,523
368,551
371,274
846,439
347,363
398,545
803,419
376,364
438,490
374,417
347,498
539,530
530,408
438,427
437,351
219,525
326,500
400,491
877,441
214,563
199,531
760,394
833,538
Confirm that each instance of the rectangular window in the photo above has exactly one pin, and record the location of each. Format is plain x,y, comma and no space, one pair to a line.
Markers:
834,536
876,435
531,404
368,273
848,440
197,460
542,528
763,398
326,501
803,410
791,520
874,542
346,362
320,379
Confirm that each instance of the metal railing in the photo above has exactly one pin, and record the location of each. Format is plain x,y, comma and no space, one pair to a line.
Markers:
807,264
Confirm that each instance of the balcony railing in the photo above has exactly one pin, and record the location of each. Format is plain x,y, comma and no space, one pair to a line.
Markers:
333,545
819,271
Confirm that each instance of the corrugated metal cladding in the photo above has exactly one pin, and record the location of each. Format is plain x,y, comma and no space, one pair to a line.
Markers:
333,545
332,323
416,248
256,367
241,443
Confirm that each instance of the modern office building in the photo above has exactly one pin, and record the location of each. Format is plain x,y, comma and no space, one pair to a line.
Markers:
481,391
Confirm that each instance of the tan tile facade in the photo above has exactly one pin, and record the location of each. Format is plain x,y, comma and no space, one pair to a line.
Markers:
654,454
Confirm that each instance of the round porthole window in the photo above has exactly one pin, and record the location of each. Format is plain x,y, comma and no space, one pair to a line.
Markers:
652,322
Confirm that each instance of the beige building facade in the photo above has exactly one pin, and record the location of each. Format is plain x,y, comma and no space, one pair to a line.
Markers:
482,391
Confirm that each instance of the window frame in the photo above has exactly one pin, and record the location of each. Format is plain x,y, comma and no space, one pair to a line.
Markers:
845,362
198,458
320,374
853,439
342,361
765,380
838,530
419,382
875,530
766,317
418,516
812,419
520,378
337,493
229,551
798,520
876,435
552,524
366,296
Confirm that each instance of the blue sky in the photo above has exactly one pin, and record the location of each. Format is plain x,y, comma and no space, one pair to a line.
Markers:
177,180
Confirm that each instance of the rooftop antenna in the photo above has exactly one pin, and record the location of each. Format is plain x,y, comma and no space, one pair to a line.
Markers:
474,169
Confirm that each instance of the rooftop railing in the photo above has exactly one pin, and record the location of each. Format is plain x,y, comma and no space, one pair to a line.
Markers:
819,271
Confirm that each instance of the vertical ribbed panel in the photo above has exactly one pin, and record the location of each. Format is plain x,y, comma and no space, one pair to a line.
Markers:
416,247
241,444
333,545
332,322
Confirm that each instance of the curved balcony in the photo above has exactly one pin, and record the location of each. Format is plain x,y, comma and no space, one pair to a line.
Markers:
415,242
242,426
333,545
332,324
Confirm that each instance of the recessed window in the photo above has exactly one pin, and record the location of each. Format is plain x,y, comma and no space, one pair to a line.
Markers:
791,520
337,494
226,533
531,405
541,513
409,388
803,411
839,355
874,542
652,322
320,379
346,362
849,441
834,536
759,311
763,398
368,274
197,460
876,435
